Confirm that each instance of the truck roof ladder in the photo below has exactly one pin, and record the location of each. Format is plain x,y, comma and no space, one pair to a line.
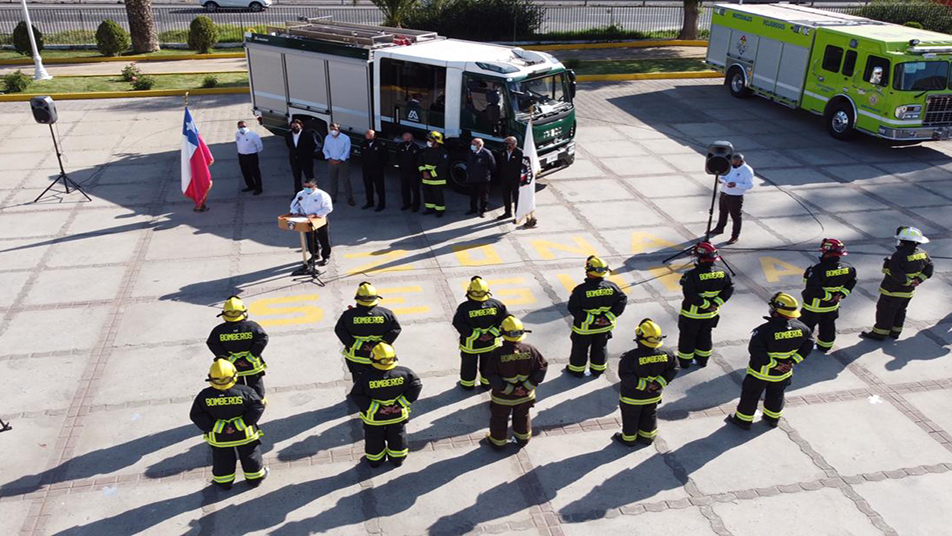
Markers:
358,35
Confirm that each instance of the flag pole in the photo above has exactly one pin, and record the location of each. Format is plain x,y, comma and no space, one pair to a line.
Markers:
186,99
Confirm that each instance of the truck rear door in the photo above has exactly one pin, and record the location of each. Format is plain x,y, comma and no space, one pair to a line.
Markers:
267,75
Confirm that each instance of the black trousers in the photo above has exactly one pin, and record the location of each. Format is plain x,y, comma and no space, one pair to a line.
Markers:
433,197
890,315
389,440
510,196
373,180
256,382
319,241
827,323
356,369
591,350
250,170
694,339
410,188
499,422
750,393
301,166
730,205
478,196
224,461
470,363
639,422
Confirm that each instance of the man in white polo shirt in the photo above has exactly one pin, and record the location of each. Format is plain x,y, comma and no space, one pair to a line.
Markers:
312,201
249,145
733,185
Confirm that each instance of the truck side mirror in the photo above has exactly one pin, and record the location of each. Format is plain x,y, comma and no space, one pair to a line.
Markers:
876,78
573,83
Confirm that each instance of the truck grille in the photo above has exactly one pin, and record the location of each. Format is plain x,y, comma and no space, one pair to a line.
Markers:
938,110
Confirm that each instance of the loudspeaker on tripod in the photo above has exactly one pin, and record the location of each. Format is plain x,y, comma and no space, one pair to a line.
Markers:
719,156
44,109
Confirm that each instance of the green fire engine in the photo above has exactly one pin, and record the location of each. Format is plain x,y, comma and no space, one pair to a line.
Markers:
881,79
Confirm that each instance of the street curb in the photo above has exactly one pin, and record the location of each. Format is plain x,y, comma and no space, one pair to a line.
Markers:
183,73
647,76
99,59
624,44
127,94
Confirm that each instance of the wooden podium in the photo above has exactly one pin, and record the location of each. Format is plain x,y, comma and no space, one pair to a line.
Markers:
303,224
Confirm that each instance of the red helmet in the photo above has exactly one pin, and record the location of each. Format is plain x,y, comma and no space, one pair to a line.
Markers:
706,252
831,247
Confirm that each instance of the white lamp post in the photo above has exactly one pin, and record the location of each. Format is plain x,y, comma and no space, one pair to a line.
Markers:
39,73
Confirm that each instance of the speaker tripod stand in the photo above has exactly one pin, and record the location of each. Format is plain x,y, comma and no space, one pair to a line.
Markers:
62,175
707,232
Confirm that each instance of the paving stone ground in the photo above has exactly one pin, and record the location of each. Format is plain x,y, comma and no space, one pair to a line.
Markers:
105,307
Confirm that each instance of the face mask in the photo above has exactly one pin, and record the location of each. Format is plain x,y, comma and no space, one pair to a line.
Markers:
429,144
309,191
473,148
243,130
295,129
335,133
735,166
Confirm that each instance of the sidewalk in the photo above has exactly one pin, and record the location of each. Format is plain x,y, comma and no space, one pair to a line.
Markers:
653,53
148,67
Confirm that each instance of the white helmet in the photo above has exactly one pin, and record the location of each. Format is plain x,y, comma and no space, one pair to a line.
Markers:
910,234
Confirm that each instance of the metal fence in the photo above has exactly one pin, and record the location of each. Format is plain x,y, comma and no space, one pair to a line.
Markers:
65,25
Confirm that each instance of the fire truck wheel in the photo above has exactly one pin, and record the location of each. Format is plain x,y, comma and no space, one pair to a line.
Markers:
840,121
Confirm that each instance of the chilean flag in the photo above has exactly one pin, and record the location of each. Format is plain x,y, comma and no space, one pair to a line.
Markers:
196,177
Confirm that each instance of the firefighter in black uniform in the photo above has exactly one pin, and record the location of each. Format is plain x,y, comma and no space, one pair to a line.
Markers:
362,326
826,284
775,347
434,169
241,342
908,267
514,369
477,320
227,414
645,372
384,394
706,288
595,306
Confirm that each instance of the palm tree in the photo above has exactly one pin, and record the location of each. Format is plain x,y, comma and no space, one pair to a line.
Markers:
395,11
142,26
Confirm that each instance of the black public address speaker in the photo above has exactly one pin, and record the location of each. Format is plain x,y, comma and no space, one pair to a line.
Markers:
719,156
44,109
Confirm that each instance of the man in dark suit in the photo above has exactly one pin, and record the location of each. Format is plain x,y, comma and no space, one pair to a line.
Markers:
374,156
510,172
301,146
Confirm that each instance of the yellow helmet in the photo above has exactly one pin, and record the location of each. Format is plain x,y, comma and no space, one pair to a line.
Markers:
367,294
223,375
384,356
785,305
436,136
513,330
478,289
596,267
648,333
234,310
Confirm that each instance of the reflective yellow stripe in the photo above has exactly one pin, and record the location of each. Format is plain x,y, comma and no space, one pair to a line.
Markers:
640,401
351,353
710,294
257,365
693,313
885,292
597,367
498,442
513,402
376,457
370,416
256,475
815,306
648,435
686,357
878,331
518,378
574,368
767,377
468,383
591,314
524,437
629,438
824,344
773,414
439,182
224,479
741,416
703,353
398,453
467,344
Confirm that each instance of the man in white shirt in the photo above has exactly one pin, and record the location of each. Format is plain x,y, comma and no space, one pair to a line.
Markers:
312,201
249,145
733,185
337,153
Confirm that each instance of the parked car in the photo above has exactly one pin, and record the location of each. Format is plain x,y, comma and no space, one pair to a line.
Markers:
252,5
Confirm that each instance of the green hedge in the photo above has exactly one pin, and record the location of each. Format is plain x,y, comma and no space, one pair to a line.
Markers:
931,15
480,20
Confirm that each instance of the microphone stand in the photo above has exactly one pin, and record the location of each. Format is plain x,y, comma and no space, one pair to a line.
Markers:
707,231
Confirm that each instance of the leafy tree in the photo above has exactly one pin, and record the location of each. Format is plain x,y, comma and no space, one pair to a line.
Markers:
395,12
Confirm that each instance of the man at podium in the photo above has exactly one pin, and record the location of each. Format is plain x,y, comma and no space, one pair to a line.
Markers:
312,201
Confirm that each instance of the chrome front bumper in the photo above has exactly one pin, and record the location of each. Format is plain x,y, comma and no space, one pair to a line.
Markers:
563,153
916,134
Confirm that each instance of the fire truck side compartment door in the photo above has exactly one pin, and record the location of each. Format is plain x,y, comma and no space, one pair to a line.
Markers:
266,67
307,85
350,95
